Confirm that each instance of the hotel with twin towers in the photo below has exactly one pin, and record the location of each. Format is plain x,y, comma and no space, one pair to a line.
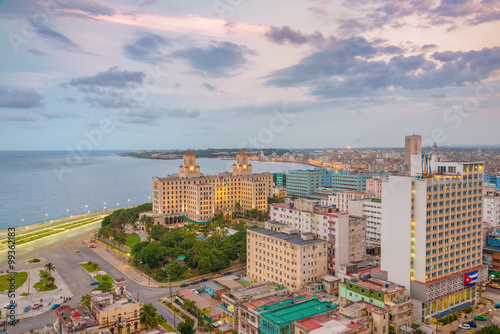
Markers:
194,197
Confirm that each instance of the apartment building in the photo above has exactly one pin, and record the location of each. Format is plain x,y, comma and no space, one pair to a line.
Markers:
374,185
347,180
491,249
344,197
380,293
432,236
371,210
413,145
192,196
491,205
345,235
302,183
287,258
77,320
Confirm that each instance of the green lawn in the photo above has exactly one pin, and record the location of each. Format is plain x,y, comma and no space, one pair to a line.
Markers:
100,278
35,260
132,240
90,267
20,279
41,284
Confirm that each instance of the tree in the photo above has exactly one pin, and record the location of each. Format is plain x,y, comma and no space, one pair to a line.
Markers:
148,316
148,221
491,329
85,300
174,269
186,327
50,281
49,267
189,305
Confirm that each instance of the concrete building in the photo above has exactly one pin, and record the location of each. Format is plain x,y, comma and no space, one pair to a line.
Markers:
76,320
332,324
491,249
374,185
279,179
302,183
371,210
195,197
344,197
491,211
345,235
383,294
281,320
347,180
249,311
118,311
431,235
287,258
413,145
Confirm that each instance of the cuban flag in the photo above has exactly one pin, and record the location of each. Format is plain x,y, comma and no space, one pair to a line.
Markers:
470,278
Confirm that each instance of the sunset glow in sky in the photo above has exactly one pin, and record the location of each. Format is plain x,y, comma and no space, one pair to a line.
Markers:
251,73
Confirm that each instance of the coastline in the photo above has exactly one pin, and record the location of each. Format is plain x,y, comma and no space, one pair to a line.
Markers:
55,223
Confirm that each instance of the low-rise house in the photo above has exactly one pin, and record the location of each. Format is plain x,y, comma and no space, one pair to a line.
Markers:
76,320
214,289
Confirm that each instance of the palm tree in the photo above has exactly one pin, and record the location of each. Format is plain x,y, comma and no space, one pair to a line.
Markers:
49,267
189,305
148,316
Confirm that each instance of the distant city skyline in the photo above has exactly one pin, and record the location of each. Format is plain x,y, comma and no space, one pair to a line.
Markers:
146,74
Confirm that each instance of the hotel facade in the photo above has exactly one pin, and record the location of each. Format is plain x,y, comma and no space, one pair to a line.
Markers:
193,196
432,236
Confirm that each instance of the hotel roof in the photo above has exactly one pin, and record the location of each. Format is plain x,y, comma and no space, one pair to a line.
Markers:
291,238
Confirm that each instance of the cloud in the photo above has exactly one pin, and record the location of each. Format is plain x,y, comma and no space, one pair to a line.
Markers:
113,100
111,78
17,116
154,114
88,6
146,48
58,114
60,40
11,97
209,87
286,35
220,59
68,99
36,52
318,10
344,69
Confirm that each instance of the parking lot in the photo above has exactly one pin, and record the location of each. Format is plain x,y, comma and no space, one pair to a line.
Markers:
480,324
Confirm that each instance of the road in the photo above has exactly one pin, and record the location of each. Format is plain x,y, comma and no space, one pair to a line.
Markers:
62,253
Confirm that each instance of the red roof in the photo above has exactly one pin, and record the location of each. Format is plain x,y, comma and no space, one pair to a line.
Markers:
76,314
242,152
189,153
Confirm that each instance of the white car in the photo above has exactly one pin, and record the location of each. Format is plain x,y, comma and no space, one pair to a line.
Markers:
464,326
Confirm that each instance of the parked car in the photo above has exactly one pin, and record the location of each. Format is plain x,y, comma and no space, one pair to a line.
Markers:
204,280
472,324
228,273
27,308
194,283
10,305
92,246
78,251
14,321
55,306
217,276
184,285
35,306
3,322
95,283
464,326
497,305
480,318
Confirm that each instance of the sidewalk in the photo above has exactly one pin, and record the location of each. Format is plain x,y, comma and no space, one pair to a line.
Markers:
462,319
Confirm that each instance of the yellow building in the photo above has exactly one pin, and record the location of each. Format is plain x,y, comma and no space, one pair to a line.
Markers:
199,197
116,311
286,258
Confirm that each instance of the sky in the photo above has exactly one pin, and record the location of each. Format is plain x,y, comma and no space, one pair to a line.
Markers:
89,75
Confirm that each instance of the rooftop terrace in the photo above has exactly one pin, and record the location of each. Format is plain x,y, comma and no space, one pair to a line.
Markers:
293,312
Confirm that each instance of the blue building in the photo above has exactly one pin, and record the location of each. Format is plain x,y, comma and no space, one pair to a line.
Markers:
347,180
493,179
301,183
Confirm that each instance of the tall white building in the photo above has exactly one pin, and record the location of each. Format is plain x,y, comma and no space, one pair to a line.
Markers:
491,211
371,210
431,235
345,235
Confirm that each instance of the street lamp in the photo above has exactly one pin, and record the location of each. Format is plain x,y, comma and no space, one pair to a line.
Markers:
46,217
104,205
21,223
117,204
128,202
67,213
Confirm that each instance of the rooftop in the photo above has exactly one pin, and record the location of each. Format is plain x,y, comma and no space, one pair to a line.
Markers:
293,238
326,325
298,311
272,302
214,286
111,300
377,285
75,318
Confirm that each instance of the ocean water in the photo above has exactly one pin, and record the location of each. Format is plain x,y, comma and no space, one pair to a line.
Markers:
40,186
